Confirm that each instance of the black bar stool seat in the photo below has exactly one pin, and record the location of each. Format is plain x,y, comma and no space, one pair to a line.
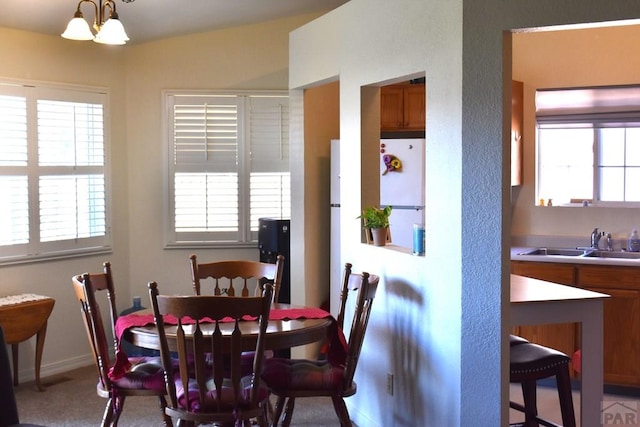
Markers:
515,340
530,362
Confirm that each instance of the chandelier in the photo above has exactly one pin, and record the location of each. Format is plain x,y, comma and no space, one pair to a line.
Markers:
109,29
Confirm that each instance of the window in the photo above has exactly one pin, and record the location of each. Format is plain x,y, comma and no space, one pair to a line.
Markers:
52,172
228,165
588,145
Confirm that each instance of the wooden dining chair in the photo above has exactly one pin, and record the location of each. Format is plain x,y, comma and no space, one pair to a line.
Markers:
145,376
237,277
204,389
289,379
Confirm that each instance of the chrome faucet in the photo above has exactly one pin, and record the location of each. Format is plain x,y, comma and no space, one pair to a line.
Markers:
595,238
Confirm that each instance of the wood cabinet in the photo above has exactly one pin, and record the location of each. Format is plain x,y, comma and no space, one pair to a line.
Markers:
402,107
565,274
621,319
621,314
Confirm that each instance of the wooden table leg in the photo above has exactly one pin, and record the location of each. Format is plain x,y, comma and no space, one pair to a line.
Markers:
42,332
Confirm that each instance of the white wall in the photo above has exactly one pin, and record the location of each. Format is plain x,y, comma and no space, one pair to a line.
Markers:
438,322
367,43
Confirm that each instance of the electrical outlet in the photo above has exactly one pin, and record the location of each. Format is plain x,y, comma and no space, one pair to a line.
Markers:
390,384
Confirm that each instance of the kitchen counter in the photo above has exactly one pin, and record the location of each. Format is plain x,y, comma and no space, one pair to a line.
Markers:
516,250
535,302
617,277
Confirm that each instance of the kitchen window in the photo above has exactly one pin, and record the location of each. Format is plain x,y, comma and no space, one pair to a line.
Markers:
228,166
53,184
588,146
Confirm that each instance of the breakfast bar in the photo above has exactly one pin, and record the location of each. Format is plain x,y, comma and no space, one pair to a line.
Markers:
536,302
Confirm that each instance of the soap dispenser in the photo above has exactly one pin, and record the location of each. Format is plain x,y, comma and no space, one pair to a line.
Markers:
634,241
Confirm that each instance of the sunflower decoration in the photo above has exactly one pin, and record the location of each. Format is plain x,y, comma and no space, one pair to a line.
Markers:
392,163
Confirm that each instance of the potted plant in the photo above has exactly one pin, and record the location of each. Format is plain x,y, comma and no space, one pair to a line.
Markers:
376,224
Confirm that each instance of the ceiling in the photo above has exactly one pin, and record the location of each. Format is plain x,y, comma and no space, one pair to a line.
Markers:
147,20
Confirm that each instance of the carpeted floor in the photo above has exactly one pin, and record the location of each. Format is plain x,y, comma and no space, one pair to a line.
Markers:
70,400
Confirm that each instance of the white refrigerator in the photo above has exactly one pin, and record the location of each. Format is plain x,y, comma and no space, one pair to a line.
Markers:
402,186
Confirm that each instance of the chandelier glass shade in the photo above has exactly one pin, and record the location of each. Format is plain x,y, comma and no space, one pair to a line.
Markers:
108,28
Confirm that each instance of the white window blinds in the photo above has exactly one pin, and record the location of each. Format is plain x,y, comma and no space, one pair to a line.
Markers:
588,107
229,165
14,210
52,171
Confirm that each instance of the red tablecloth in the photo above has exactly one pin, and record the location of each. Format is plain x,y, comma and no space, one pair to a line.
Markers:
337,344
134,319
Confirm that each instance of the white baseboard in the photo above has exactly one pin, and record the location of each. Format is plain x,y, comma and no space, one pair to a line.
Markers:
29,373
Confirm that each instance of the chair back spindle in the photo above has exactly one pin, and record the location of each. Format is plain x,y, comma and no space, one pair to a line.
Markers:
364,286
235,277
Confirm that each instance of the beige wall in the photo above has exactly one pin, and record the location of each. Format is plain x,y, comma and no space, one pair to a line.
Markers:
587,57
250,57
321,125
34,57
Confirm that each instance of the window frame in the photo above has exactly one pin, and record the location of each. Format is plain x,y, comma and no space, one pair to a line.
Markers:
36,251
593,108
596,174
246,237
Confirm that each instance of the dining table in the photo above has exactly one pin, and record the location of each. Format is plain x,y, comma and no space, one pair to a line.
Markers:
21,317
289,326
537,302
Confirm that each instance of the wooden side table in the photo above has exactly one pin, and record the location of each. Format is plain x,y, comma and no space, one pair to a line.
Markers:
23,316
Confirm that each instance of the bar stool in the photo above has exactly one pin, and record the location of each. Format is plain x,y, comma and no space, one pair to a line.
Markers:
515,340
530,362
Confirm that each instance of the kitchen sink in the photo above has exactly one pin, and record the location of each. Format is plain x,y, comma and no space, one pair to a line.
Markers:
554,251
581,252
607,254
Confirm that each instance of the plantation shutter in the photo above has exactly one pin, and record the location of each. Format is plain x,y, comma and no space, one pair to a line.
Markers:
229,165
270,187
205,147
52,172
71,155
14,191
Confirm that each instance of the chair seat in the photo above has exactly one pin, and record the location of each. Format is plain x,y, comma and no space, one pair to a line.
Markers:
302,374
144,373
535,360
531,362
211,402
